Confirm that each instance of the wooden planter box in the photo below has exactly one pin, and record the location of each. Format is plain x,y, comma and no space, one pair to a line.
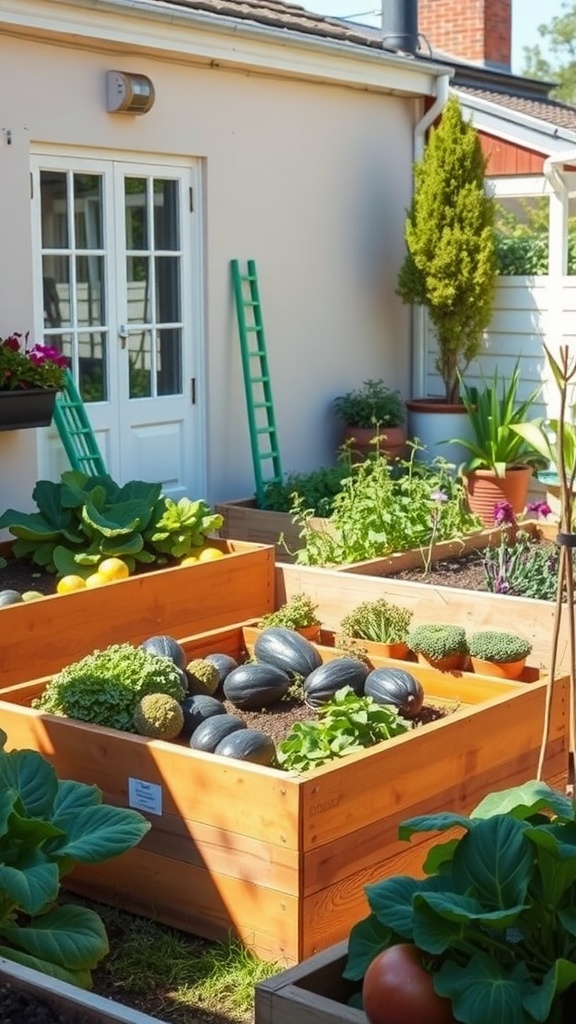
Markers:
243,521
338,593
313,992
278,858
40,637
75,1005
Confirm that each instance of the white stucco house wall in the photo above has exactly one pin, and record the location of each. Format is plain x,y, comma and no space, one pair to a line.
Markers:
275,135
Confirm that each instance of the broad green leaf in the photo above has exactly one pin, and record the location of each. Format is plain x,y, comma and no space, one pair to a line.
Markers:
7,801
31,526
70,936
48,498
483,992
556,857
432,823
524,801
98,833
68,562
32,883
116,521
32,778
367,938
568,920
30,832
461,909
72,797
557,980
494,862
82,979
122,546
439,856
391,902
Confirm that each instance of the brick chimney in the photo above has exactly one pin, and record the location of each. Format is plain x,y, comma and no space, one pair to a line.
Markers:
475,30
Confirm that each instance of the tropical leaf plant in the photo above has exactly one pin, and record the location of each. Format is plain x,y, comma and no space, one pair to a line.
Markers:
47,825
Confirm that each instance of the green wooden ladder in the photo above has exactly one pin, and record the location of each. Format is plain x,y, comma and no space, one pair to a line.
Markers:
261,420
76,431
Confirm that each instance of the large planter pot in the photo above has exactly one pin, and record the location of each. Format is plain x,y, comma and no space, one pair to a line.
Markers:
40,637
391,441
281,859
31,408
485,490
435,422
74,1005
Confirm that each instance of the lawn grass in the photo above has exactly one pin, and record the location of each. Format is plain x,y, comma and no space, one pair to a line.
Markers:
177,977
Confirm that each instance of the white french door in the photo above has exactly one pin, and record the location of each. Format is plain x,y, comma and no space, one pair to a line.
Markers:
119,272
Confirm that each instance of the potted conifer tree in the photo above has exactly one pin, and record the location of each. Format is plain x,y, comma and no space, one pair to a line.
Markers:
450,267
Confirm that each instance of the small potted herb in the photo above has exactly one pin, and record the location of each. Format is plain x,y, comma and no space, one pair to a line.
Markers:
496,652
373,416
299,613
439,645
380,623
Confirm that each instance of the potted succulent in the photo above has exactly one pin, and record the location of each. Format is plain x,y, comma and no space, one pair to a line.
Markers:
380,624
488,934
440,645
299,613
450,267
30,377
373,416
497,652
500,459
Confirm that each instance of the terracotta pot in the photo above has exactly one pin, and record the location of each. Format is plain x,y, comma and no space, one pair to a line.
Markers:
310,632
501,669
447,664
392,442
485,489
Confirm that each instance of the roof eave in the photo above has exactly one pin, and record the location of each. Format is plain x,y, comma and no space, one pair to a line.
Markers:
516,127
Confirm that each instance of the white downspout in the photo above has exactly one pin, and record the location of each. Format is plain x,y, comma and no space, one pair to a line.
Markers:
558,222
418,339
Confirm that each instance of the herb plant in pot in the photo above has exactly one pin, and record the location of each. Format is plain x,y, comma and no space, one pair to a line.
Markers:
30,377
500,460
299,613
439,645
491,924
498,653
381,626
373,416
449,270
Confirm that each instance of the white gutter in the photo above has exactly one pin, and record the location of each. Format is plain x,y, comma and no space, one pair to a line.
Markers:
515,126
418,319
558,223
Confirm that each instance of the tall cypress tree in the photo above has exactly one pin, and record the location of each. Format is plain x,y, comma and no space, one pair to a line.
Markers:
450,265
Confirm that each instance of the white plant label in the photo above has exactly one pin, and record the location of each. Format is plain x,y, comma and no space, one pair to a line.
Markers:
145,796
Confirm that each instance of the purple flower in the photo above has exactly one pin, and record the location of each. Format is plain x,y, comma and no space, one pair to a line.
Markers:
541,508
504,514
438,496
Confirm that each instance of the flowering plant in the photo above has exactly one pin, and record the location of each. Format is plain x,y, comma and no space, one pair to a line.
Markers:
24,366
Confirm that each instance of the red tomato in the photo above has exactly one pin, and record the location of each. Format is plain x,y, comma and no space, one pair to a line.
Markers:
397,990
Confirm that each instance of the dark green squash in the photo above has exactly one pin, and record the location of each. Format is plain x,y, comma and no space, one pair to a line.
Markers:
224,663
287,650
213,730
253,686
248,745
9,597
166,647
397,687
321,685
197,708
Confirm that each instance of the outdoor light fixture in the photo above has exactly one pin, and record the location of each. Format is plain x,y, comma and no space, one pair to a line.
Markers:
129,93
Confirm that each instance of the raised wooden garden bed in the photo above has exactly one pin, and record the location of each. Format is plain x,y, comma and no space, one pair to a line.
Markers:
279,858
40,637
244,521
337,594
72,1004
313,992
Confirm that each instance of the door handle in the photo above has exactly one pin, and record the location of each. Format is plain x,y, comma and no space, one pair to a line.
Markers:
123,335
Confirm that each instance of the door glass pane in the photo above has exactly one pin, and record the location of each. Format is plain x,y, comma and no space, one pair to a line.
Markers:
56,288
88,211
90,289
167,289
92,366
53,198
169,362
136,213
166,223
140,364
138,283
